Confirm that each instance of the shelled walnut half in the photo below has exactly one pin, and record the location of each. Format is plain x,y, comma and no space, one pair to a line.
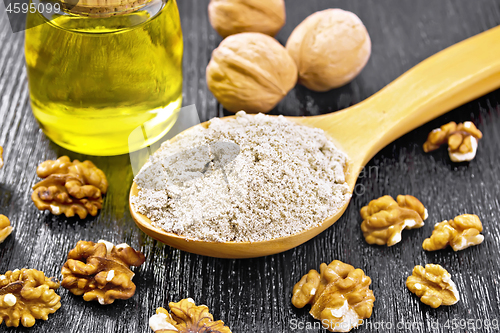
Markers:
384,219
69,188
462,140
461,232
5,228
27,295
101,271
433,285
339,296
186,317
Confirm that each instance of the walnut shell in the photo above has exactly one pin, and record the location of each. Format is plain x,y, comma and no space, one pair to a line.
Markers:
330,48
229,17
251,72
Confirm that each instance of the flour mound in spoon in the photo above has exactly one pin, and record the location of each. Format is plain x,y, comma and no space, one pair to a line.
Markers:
285,178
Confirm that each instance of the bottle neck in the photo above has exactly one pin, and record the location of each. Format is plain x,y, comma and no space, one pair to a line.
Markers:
102,8
79,21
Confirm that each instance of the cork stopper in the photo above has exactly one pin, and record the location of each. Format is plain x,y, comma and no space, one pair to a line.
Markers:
101,8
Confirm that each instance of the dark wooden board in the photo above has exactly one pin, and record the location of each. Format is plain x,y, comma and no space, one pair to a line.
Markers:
254,295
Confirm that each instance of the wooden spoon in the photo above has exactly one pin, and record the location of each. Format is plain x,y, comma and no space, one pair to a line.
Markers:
438,84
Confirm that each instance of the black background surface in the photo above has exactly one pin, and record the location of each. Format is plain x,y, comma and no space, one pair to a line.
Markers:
254,295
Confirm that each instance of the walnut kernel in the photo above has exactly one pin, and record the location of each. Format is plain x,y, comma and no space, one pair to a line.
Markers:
384,219
69,188
91,174
461,232
250,72
433,285
229,17
330,48
462,140
101,271
5,228
27,295
186,317
339,296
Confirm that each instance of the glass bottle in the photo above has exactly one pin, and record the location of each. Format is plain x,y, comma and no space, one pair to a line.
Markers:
97,72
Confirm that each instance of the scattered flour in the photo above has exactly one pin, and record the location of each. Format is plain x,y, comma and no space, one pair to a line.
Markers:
282,179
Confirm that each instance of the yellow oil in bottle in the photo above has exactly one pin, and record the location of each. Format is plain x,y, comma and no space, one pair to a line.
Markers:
93,80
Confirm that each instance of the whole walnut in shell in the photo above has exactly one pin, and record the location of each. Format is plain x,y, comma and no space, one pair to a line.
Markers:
330,48
251,72
229,17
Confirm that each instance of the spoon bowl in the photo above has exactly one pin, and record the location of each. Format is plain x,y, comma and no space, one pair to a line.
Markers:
446,80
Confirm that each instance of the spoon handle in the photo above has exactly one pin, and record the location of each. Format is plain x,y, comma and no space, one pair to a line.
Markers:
444,81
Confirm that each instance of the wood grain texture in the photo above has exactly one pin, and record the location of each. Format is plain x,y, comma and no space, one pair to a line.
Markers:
254,295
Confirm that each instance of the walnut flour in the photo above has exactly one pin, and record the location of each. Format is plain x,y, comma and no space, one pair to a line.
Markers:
284,179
